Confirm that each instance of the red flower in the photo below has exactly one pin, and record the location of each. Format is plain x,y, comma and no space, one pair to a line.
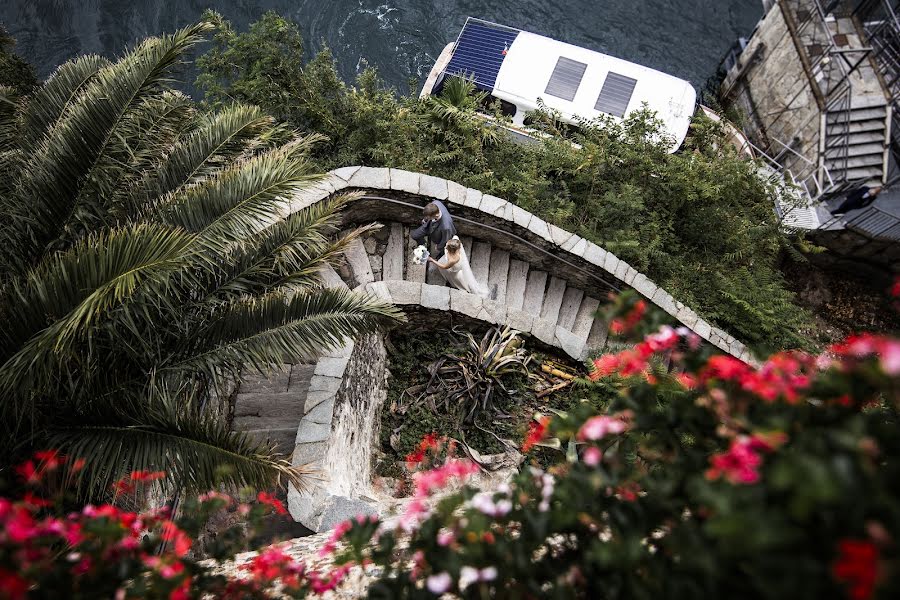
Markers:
430,441
856,566
536,431
12,585
147,475
35,501
29,472
182,542
270,500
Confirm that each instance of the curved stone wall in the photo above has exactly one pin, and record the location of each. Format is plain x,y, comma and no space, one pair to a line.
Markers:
344,386
506,216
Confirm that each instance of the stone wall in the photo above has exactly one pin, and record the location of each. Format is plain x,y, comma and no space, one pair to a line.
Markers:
770,86
337,434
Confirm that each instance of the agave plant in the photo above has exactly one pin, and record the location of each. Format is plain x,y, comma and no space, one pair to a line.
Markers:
468,383
148,254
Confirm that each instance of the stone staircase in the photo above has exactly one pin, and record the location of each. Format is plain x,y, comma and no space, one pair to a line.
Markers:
519,290
855,141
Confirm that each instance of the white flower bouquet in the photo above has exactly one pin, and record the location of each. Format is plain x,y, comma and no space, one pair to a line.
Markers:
420,255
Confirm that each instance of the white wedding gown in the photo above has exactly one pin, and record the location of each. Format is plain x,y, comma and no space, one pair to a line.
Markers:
460,275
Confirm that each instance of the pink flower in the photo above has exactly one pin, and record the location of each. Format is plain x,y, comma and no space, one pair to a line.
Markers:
592,456
741,462
469,575
596,428
440,583
445,538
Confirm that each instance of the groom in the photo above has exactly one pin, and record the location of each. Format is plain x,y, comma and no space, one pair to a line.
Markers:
437,226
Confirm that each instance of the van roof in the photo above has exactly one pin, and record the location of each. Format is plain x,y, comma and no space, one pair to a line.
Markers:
522,67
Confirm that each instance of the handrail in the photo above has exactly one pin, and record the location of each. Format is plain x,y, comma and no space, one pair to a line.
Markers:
518,239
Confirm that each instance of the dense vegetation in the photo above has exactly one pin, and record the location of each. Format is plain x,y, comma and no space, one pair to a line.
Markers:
717,480
700,222
145,260
15,72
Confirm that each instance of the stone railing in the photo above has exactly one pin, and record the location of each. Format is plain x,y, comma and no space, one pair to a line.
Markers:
587,261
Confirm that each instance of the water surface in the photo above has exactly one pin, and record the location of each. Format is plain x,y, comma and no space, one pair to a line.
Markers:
686,38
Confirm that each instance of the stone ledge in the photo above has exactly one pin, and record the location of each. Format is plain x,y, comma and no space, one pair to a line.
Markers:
442,189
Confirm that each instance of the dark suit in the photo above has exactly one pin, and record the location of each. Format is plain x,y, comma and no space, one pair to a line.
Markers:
438,232
861,197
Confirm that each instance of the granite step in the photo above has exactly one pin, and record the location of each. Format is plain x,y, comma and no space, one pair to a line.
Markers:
584,320
534,292
467,244
516,281
855,162
392,261
568,312
498,274
330,278
596,339
553,299
414,272
480,261
358,259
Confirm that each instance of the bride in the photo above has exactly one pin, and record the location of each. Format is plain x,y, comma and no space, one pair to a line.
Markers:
455,268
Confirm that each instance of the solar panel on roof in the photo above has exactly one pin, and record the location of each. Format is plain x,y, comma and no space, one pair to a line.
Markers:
480,51
615,95
566,78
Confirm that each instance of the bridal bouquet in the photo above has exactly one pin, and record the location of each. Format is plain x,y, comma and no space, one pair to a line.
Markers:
420,255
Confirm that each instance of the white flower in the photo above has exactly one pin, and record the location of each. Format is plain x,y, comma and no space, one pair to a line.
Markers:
484,502
469,575
439,583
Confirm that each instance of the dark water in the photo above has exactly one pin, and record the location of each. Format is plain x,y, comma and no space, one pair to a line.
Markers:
686,38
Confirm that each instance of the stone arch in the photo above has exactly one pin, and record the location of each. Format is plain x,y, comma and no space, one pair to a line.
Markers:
346,387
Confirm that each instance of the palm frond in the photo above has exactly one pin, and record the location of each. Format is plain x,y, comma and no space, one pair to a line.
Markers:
267,332
240,200
51,101
50,186
194,448
217,139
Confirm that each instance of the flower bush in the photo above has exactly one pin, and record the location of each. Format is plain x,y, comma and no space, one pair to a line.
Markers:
48,550
705,477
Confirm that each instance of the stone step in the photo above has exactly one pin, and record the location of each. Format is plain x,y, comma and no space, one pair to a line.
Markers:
516,281
498,274
467,245
480,261
596,339
282,438
584,319
392,261
553,299
330,278
568,312
358,260
534,292
414,272
433,276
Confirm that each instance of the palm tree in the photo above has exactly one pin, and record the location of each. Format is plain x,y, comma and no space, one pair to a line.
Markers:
147,256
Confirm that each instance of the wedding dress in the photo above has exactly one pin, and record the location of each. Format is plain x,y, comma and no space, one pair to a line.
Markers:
461,276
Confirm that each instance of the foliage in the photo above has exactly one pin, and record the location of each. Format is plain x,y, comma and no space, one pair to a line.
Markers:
713,479
699,222
106,551
15,72
466,383
145,261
